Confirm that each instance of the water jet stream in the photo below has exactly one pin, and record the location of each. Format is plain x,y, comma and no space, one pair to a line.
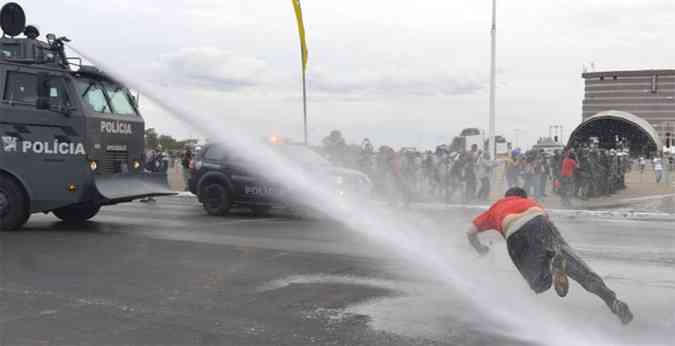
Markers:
519,316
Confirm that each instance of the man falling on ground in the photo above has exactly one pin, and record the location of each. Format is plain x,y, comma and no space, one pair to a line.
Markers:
539,251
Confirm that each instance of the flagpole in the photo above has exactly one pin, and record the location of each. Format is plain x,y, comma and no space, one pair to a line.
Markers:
493,32
304,101
303,62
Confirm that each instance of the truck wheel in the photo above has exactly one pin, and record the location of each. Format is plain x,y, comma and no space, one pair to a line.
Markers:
77,213
215,198
13,205
261,210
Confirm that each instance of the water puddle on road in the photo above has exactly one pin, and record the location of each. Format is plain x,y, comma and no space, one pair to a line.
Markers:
417,310
433,312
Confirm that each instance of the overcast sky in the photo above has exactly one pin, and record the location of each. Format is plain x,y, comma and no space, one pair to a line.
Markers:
410,73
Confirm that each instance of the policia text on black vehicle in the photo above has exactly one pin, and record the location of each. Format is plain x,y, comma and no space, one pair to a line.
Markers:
71,138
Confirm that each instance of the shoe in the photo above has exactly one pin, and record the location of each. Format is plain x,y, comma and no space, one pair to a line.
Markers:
622,311
560,281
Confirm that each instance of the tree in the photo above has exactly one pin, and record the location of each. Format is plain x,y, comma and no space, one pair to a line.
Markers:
151,138
167,142
186,142
334,139
334,146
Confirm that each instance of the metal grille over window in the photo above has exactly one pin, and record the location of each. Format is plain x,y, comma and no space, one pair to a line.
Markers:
21,87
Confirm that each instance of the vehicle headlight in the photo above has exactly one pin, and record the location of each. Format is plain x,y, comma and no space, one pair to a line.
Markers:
93,165
136,164
339,180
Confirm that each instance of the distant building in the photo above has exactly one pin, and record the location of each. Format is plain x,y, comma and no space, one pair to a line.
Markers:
633,109
475,136
548,145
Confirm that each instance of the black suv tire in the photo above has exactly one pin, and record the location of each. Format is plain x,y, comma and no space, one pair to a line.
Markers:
13,204
77,213
215,198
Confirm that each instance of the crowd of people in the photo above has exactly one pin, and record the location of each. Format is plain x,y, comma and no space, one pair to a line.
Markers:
410,175
157,160
441,175
596,173
406,175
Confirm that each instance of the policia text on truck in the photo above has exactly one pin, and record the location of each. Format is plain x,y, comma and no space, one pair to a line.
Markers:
71,138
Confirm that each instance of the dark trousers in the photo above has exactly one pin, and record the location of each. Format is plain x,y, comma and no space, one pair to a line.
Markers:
530,185
532,248
542,185
484,191
470,190
566,190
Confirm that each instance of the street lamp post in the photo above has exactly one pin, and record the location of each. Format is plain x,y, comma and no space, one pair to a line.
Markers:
493,62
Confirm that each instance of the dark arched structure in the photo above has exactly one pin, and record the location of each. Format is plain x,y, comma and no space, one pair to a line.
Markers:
607,126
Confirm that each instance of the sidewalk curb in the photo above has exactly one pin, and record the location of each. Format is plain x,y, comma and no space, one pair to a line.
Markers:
566,213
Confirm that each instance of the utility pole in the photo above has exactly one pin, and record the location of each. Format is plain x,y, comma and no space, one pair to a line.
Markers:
493,33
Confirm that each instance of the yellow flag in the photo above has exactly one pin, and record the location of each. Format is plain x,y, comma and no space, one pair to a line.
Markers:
301,30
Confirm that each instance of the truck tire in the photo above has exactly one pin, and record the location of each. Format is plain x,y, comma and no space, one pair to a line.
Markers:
13,205
215,198
77,213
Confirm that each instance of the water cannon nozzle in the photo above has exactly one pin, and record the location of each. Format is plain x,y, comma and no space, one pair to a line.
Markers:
52,38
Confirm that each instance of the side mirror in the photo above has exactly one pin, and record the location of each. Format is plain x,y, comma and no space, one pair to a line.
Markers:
42,91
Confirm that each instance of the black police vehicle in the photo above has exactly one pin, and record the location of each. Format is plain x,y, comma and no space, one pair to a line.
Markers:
222,179
71,138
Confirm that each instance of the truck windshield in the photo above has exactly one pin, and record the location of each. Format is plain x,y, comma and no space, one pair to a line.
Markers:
94,94
120,100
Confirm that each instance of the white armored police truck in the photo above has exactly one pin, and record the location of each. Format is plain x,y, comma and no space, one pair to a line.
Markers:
71,137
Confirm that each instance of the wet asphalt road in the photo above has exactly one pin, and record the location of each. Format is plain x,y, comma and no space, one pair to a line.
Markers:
166,274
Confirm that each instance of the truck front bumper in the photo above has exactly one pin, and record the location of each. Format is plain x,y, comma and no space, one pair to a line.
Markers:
128,187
